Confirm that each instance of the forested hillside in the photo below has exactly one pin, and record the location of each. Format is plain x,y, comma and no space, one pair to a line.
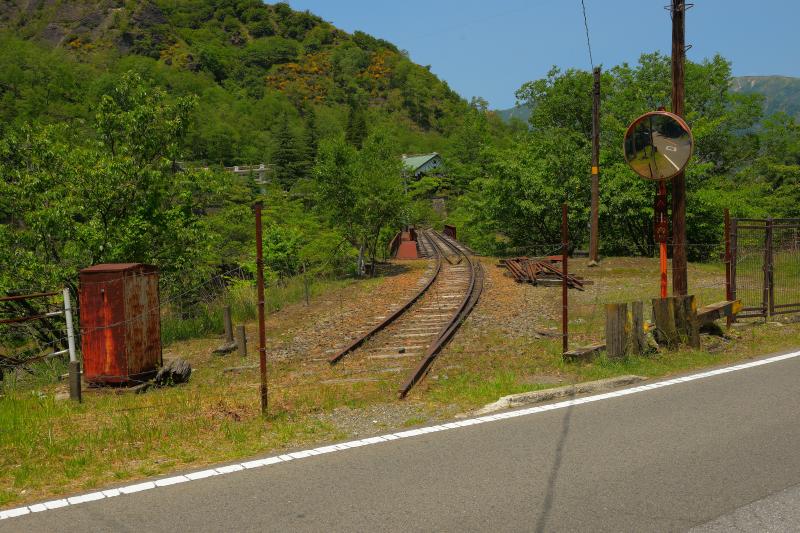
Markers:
754,171
781,93
102,102
247,62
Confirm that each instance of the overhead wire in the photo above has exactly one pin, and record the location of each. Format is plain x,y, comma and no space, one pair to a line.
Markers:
586,26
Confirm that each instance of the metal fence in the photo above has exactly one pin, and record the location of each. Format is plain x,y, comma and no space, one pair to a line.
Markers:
765,267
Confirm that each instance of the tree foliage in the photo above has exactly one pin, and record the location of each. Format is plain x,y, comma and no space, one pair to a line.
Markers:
516,202
360,191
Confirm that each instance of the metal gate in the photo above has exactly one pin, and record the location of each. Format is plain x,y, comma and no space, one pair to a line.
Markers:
765,266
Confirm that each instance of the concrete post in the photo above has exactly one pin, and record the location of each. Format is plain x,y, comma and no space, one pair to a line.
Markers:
241,340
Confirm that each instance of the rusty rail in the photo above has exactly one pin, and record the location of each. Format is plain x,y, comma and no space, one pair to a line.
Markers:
395,315
470,299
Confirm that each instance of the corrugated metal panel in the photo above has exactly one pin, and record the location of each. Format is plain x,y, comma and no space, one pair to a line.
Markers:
120,326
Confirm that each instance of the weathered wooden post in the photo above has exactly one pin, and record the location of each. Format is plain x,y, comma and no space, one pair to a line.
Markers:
617,330
664,317
638,339
686,320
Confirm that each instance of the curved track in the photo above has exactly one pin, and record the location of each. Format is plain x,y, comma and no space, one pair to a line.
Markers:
418,330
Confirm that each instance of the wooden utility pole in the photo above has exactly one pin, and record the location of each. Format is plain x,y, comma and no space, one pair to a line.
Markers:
594,233
262,332
679,275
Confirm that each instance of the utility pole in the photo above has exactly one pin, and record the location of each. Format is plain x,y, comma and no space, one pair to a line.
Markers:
262,332
595,223
679,274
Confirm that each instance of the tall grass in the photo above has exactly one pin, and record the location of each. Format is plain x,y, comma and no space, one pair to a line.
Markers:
206,318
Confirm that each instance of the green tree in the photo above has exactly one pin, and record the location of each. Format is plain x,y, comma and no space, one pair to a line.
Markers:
361,192
519,196
118,200
356,130
288,158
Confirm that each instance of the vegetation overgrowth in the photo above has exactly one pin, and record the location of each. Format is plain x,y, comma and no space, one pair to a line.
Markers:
116,119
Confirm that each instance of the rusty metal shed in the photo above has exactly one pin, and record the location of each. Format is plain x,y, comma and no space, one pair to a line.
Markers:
120,323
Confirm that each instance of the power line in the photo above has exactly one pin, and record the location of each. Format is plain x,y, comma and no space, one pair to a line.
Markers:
586,26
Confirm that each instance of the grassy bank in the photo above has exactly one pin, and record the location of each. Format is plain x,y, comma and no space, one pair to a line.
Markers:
50,447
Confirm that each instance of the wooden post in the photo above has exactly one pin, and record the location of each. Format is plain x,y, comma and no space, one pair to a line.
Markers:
638,339
594,236
679,267
686,320
241,340
664,318
226,319
262,332
564,287
728,292
616,330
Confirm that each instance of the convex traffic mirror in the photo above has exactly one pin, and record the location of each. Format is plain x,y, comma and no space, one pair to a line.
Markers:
658,145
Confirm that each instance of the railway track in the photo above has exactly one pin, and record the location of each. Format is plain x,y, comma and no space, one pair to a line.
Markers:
412,335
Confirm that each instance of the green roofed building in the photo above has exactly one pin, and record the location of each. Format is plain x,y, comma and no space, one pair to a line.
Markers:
416,165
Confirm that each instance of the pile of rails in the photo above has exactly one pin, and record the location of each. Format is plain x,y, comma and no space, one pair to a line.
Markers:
540,272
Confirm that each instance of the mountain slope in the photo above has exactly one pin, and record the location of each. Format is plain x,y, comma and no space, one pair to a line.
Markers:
523,113
781,93
250,63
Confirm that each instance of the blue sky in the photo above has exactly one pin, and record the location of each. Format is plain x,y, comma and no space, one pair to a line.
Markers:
489,48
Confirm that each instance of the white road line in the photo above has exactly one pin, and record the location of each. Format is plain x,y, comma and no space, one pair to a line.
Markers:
670,161
303,454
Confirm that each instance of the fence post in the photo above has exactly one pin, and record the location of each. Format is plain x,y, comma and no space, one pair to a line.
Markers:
686,319
767,299
639,341
734,257
664,317
616,330
74,364
226,319
564,286
728,294
262,331
241,340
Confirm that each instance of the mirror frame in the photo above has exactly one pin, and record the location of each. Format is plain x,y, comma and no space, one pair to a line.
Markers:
682,123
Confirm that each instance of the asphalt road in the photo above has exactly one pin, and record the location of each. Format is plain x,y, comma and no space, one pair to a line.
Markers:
718,453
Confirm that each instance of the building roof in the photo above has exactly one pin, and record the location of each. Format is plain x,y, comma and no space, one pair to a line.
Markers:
414,162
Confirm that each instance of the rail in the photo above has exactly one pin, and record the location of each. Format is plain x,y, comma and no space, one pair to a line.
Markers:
467,304
392,317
